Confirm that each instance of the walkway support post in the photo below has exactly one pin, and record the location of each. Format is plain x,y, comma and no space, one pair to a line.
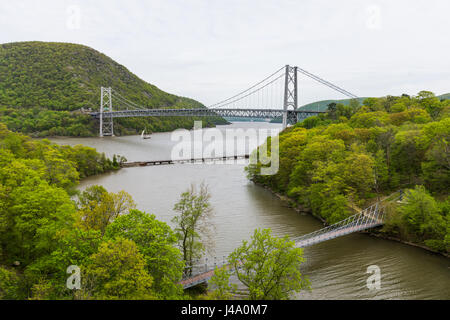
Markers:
290,94
106,120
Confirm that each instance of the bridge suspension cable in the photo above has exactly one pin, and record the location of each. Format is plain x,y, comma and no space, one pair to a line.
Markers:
253,95
327,83
256,91
125,101
262,93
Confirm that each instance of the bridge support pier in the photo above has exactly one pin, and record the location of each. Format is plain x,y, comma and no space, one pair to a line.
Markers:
290,95
106,117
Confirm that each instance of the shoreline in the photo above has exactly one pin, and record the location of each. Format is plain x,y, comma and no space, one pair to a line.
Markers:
299,209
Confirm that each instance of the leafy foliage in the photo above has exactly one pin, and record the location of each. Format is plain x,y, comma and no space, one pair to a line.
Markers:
117,271
268,266
339,161
8,284
43,230
193,227
99,208
420,218
156,241
223,289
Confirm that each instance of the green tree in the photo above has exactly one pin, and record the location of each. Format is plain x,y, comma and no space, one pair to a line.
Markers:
155,241
60,172
269,267
331,110
421,215
193,225
9,284
436,166
357,173
37,214
430,102
408,153
117,271
98,208
381,171
436,163
73,246
223,289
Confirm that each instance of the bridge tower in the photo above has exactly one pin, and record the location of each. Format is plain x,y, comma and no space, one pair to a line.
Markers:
290,95
106,120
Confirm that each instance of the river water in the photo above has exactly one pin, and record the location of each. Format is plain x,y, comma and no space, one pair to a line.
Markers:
337,269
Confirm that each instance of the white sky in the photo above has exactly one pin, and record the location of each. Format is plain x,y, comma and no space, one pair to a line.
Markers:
208,50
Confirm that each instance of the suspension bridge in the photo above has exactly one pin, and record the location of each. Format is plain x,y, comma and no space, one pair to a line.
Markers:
276,96
371,217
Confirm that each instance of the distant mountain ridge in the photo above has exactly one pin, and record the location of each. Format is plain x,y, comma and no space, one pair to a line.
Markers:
323,104
445,96
44,84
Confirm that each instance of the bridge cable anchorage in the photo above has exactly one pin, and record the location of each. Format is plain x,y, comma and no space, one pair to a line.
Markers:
327,83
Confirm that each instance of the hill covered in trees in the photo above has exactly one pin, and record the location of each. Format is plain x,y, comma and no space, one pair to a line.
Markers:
353,155
322,105
43,230
44,85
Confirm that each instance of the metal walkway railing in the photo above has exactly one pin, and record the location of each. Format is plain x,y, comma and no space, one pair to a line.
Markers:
370,217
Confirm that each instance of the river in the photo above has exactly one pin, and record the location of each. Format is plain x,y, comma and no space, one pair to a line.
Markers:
337,269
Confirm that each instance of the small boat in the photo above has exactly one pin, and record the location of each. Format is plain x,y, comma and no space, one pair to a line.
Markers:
145,136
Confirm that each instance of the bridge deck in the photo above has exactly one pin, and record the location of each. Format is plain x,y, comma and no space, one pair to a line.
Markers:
335,234
205,276
197,279
205,112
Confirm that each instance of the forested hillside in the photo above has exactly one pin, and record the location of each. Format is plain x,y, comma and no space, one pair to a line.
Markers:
43,230
44,85
323,104
353,155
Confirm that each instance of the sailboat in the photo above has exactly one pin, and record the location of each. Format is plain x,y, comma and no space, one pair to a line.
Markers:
145,136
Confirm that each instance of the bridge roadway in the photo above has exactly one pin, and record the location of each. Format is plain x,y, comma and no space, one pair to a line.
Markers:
205,112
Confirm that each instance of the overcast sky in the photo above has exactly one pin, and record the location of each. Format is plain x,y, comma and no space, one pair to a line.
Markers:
208,50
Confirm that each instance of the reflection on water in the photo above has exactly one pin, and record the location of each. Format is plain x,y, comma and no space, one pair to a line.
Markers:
336,268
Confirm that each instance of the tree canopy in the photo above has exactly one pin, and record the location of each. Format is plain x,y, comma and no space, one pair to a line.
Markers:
347,158
269,267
